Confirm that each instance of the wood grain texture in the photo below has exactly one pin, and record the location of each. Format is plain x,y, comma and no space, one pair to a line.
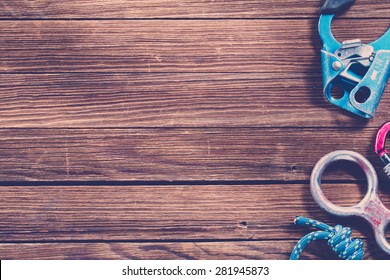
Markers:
92,100
181,9
172,129
175,154
143,213
257,46
256,250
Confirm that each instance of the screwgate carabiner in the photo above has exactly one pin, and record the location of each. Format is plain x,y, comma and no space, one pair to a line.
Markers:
380,149
360,70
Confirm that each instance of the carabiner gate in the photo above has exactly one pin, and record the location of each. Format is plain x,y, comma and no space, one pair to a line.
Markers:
380,149
360,70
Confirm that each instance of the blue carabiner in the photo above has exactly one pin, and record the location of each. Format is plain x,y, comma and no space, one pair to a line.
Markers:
360,70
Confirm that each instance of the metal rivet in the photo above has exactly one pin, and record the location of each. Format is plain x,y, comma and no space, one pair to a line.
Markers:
336,65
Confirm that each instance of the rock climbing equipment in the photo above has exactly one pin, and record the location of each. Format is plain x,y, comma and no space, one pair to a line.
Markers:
370,208
339,238
360,71
380,147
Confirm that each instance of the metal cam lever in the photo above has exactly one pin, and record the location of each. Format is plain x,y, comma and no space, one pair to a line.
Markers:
360,70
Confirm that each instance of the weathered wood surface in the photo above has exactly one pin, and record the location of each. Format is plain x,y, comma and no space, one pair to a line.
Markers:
90,100
183,212
172,129
211,154
243,250
275,48
180,9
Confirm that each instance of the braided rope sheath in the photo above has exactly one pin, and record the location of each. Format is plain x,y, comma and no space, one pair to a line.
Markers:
339,238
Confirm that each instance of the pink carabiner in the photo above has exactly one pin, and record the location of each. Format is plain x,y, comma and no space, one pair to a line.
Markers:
381,139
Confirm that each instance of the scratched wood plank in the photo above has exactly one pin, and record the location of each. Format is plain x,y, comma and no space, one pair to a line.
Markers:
160,213
261,46
142,213
175,154
89,100
181,9
258,250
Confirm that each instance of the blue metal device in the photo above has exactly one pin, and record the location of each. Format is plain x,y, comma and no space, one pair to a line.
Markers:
360,71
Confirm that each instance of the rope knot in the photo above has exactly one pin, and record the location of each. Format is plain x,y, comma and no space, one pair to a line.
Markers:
339,238
344,245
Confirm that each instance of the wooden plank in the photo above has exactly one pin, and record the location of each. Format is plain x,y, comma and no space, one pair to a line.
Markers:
87,100
175,154
181,9
258,250
143,213
261,46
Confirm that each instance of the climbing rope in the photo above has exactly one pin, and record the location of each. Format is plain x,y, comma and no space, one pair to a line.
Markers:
339,238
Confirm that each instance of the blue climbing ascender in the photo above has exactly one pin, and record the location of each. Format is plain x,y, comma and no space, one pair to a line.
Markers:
360,71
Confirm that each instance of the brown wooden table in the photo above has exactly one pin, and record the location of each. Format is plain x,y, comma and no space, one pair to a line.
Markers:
164,129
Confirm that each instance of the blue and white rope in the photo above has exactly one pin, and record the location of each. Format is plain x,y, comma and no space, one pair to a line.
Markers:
339,238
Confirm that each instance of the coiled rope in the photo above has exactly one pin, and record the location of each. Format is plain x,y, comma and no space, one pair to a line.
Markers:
339,238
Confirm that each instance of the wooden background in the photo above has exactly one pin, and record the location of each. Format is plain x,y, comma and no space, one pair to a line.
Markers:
165,129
